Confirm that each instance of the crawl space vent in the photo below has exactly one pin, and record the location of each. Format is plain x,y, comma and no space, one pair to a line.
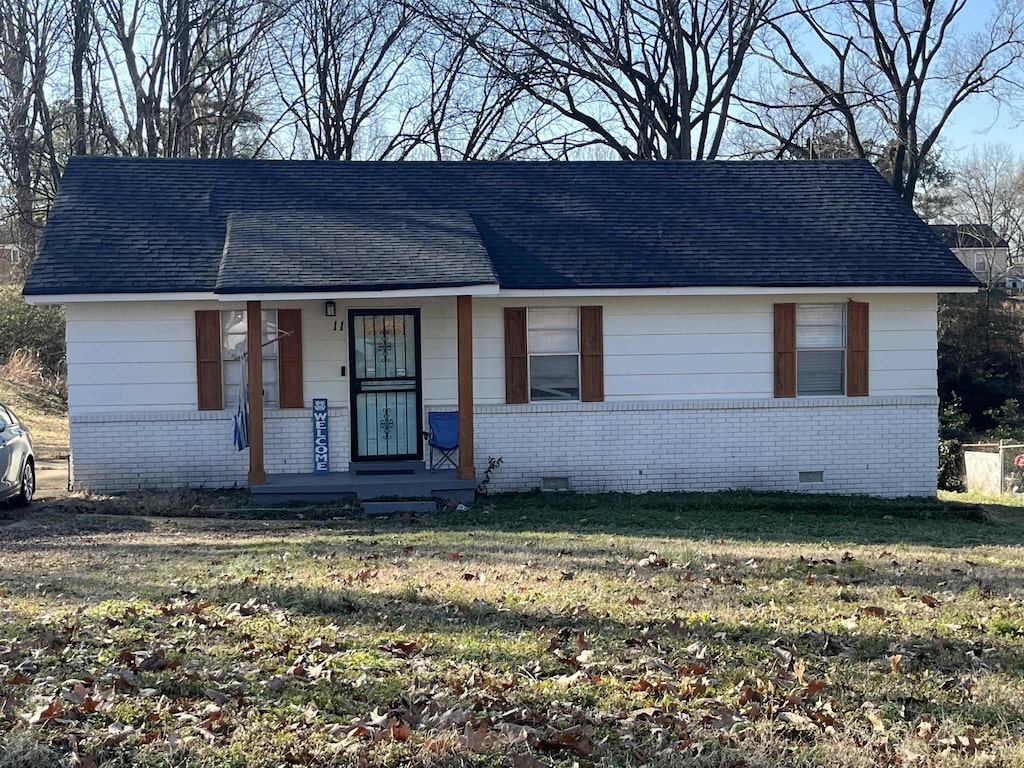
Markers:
554,483
817,476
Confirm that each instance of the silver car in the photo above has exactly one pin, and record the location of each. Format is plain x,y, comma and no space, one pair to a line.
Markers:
17,462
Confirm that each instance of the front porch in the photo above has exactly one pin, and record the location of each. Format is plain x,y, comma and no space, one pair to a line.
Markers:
405,480
385,451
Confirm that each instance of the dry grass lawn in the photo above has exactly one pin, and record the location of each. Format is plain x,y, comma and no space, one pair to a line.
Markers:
659,630
45,414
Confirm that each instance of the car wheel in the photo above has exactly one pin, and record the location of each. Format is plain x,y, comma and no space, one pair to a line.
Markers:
28,485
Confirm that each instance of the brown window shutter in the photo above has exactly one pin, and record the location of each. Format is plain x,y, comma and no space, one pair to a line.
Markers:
517,385
592,354
208,362
857,349
289,358
785,350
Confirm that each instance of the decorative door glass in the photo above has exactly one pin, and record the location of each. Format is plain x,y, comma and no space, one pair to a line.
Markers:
385,385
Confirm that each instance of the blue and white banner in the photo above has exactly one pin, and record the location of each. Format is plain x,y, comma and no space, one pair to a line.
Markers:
321,443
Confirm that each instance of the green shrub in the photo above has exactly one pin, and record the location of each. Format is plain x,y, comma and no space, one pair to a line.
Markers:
951,466
954,424
1009,421
35,328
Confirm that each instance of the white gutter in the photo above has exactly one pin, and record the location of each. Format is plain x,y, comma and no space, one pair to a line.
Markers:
493,290
84,298
732,291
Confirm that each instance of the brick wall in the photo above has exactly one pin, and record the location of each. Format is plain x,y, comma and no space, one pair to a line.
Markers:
119,452
882,446
879,445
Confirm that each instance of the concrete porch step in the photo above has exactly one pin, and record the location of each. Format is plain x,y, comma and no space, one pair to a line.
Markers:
386,468
397,507
341,486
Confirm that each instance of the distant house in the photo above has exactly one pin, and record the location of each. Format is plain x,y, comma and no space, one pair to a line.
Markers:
982,251
10,261
587,323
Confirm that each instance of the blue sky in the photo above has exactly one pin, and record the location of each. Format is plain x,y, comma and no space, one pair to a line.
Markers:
981,120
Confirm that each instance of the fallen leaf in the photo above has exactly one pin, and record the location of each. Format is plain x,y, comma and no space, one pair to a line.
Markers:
967,743
874,610
876,721
798,670
812,688
401,648
47,712
477,738
653,561
794,719
398,730
930,601
575,738
894,663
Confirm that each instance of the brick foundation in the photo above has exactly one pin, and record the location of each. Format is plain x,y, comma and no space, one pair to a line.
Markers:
881,445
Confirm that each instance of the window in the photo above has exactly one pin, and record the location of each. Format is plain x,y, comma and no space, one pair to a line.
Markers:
233,325
553,342
820,349
980,264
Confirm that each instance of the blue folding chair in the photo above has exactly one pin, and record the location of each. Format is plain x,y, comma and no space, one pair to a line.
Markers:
443,436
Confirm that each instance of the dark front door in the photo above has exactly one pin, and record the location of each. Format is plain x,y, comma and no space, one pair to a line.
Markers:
385,384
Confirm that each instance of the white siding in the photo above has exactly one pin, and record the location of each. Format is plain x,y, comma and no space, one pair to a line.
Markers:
701,347
127,360
126,357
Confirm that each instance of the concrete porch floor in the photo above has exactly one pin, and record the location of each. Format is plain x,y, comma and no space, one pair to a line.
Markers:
404,480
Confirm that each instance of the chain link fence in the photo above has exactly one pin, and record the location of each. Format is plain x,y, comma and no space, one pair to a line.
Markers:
994,469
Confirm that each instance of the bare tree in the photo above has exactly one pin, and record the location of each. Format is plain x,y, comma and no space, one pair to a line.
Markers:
184,73
890,75
650,79
461,107
989,190
341,63
28,34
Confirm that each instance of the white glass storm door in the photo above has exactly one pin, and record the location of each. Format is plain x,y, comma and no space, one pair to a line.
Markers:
385,384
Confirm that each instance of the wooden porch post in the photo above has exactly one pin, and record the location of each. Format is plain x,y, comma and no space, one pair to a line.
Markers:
466,470
254,350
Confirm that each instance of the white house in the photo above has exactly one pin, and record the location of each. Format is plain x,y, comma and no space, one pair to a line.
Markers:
601,326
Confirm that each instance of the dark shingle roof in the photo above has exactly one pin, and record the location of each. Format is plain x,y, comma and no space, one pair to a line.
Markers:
347,250
969,236
148,225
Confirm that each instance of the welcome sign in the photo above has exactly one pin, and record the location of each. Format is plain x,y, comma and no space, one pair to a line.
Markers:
321,443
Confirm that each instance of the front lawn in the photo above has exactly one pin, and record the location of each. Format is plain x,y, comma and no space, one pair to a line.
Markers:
658,630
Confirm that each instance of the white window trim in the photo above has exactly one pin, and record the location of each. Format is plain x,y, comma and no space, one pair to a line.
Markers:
530,355
844,349
985,266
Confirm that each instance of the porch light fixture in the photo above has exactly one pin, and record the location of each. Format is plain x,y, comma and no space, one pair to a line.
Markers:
330,309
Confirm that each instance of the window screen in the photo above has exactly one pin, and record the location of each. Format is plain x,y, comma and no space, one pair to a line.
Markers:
821,349
553,342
